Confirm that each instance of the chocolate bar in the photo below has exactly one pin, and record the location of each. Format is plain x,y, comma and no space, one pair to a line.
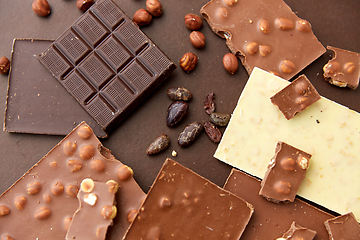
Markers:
107,63
36,103
183,205
343,70
343,227
95,212
295,97
264,34
298,232
43,200
270,220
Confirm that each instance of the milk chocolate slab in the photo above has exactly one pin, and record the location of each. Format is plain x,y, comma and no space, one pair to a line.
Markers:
264,34
343,70
271,220
343,227
297,232
295,97
184,205
42,202
285,173
107,63
36,103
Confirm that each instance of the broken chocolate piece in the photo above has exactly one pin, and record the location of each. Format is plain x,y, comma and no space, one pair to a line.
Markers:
343,227
284,174
297,232
343,70
107,63
295,97
264,34
184,205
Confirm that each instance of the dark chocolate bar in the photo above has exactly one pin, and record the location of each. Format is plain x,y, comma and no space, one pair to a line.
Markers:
107,63
343,227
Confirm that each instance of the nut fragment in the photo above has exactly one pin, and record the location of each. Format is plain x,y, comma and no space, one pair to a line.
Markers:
87,152
113,186
252,48
282,187
331,67
124,173
303,26
74,165
84,5
90,199
33,188
142,17
87,185
41,7
303,162
159,144
193,21
6,237
154,7
97,165
131,215
264,26
288,164
67,222
287,66
47,198
284,23
197,39
4,210
188,61
108,212
230,2
20,202
42,213
69,148
222,13
349,67
230,63
264,50
57,188
4,65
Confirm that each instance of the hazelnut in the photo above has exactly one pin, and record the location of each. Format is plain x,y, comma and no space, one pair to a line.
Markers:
90,199
124,173
230,63
20,202
113,186
331,67
67,222
197,39
284,23
188,61
87,185
252,48
74,165
47,198
303,162
131,215
6,237
154,7
288,164
282,187
4,210
33,188
72,190
57,188
41,8
193,21
4,65
84,132
349,67
287,66
303,26
108,212
42,213
87,152
264,50
69,148
142,17
264,26
230,2
222,13
84,5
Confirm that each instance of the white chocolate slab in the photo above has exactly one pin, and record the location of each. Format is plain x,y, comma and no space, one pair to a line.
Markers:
327,130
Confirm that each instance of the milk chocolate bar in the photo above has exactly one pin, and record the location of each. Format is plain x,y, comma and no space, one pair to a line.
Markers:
95,212
183,205
36,103
285,173
298,232
270,220
40,205
264,34
343,227
295,97
106,63
343,70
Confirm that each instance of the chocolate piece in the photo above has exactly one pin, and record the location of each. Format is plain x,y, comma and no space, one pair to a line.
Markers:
295,97
90,220
270,220
285,173
184,205
106,63
297,232
35,102
343,70
343,227
44,199
264,34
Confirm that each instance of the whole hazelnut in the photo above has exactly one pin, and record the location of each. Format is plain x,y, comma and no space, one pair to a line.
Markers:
41,8
4,65
230,63
197,39
142,17
188,61
154,7
193,21
84,5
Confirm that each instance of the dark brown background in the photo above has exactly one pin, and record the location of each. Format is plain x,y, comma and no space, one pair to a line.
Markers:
334,22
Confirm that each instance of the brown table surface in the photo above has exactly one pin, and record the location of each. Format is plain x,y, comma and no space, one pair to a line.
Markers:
334,23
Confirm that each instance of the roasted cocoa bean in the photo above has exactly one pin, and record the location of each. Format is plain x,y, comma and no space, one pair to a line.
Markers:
176,113
158,145
209,103
220,119
212,131
189,134
179,93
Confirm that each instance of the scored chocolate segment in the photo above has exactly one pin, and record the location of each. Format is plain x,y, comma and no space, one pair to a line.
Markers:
43,200
107,63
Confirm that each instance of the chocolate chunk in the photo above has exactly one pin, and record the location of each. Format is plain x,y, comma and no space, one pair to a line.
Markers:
343,227
285,173
184,205
343,70
107,63
295,97
50,187
265,34
298,232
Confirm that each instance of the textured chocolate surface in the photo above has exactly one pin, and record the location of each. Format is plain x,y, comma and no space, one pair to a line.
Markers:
36,103
107,63
298,232
271,220
343,227
184,205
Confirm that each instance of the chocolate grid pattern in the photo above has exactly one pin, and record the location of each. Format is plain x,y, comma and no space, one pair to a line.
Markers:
110,68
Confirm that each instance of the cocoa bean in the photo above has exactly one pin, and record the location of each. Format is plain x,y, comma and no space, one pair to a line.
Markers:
176,113
212,131
189,134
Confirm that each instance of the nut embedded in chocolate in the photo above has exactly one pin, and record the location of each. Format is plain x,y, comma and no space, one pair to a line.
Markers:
193,21
84,5
197,39
4,65
142,17
188,61
230,63
41,7
154,7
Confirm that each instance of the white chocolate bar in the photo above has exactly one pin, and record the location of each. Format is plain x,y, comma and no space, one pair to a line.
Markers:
327,130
